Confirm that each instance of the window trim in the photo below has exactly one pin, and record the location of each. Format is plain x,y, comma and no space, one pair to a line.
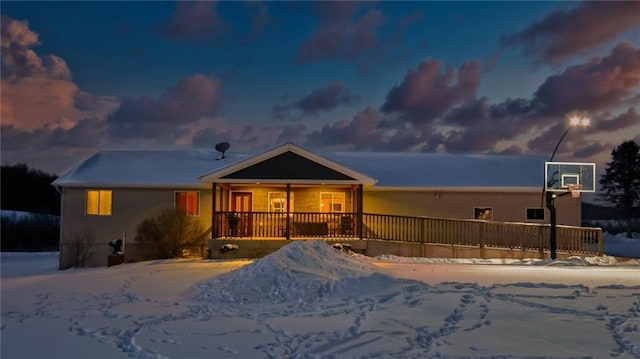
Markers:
332,202
175,202
283,197
100,193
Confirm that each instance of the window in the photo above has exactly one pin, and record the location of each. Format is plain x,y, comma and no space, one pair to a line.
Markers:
99,202
483,213
535,214
188,202
278,202
331,202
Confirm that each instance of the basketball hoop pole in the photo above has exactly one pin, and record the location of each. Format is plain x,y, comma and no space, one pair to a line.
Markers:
553,244
552,212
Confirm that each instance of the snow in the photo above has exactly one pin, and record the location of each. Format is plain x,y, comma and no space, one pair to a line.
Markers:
309,300
149,168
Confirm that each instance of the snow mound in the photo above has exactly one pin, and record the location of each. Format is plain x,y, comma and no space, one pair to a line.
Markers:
302,271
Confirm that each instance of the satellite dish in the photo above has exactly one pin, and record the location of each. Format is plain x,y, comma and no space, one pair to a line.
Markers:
222,147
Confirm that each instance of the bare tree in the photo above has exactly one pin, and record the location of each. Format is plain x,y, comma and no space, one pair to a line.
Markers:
77,248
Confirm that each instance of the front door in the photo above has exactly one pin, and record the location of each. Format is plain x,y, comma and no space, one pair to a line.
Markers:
242,202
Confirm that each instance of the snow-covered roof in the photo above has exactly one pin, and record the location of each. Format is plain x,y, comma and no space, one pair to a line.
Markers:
397,169
153,168
182,168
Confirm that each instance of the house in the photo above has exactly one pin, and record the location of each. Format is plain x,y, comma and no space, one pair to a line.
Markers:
289,192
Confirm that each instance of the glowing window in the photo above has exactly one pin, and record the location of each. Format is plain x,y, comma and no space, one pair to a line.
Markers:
98,203
188,202
278,202
332,202
483,213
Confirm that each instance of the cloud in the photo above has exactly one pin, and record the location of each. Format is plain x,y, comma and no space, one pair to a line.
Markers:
596,85
570,31
194,21
39,91
427,92
324,98
201,22
621,121
169,117
245,137
343,34
359,133
259,17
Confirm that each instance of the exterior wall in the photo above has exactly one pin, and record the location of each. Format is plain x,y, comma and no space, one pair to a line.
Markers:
507,207
129,208
374,248
305,199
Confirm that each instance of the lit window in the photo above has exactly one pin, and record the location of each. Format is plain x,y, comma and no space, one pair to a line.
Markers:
278,202
188,202
535,214
332,202
483,213
99,203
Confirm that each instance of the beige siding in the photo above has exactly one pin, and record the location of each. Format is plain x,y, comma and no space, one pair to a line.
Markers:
305,199
129,208
508,207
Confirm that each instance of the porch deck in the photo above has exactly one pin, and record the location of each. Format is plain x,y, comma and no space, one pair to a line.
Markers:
428,233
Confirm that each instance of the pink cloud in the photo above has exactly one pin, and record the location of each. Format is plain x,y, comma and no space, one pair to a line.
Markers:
342,34
427,93
361,132
170,117
570,31
39,91
197,20
596,85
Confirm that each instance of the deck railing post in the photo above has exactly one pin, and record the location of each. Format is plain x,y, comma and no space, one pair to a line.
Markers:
600,243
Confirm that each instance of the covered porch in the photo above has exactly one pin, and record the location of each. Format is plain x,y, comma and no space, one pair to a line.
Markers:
286,193
286,212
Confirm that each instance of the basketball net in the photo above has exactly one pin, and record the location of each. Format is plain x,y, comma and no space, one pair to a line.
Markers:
575,190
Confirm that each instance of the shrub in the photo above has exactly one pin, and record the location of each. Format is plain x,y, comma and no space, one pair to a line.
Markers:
169,234
77,247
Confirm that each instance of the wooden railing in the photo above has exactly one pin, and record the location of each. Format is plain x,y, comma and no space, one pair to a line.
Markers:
405,228
274,225
482,233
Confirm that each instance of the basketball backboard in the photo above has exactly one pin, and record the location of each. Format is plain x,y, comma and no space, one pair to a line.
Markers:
558,176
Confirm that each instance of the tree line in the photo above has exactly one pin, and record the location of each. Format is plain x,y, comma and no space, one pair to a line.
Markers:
29,190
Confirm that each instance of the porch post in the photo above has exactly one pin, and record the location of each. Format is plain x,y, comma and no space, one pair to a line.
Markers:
360,202
214,188
287,219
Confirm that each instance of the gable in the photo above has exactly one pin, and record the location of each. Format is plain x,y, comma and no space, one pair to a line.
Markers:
288,163
290,166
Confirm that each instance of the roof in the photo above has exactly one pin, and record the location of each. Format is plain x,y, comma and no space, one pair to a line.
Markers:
193,168
161,168
397,169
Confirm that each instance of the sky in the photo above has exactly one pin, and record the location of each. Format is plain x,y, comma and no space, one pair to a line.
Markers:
457,77
308,300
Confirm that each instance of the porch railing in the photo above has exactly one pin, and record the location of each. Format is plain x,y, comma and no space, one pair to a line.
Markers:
405,228
274,225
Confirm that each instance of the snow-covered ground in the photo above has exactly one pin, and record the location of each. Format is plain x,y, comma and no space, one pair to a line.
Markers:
309,300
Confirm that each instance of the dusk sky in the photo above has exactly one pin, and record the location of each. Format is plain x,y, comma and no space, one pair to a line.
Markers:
459,77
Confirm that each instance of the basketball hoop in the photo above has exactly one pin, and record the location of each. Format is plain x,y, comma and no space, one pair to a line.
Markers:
575,189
